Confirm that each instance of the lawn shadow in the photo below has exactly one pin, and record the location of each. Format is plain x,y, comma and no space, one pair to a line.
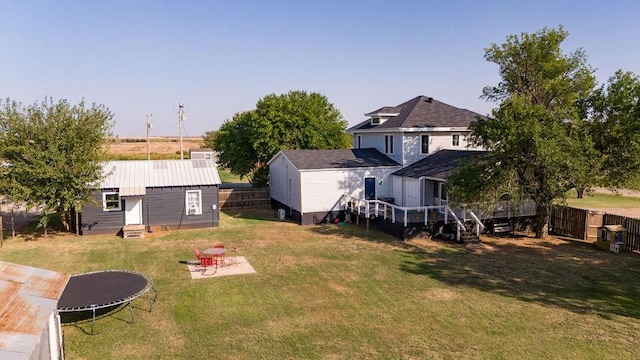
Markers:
353,231
563,273
254,214
82,320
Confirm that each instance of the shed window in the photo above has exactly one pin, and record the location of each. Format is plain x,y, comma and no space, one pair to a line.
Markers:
111,201
193,200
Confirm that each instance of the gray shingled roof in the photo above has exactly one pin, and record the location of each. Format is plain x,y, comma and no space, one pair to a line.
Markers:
134,176
337,159
422,112
438,165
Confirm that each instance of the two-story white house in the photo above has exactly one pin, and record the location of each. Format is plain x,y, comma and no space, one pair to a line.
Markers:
410,134
401,154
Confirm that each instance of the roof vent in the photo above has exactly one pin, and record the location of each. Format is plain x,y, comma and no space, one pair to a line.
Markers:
429,99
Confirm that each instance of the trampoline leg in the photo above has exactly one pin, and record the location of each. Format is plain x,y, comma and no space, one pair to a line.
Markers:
93,318
152,301
131,309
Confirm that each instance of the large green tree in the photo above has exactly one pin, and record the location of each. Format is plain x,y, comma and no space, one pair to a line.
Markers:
540,145
614,112
52,153
295,120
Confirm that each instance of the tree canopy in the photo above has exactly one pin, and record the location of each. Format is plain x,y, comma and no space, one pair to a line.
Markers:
295,120
540,145
614,114
52,153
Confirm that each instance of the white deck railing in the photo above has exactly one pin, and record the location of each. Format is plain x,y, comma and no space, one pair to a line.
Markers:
369,208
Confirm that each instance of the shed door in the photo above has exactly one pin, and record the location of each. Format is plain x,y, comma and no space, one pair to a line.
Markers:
411,192
133,210
369,188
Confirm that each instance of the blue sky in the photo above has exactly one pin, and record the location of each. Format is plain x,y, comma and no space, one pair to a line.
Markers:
220,57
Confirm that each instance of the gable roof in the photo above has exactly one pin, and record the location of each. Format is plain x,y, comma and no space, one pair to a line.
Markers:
421,112
134,176
28,297
439,165
337,159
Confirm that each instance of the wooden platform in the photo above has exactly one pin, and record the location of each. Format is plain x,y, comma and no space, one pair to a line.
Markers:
133,231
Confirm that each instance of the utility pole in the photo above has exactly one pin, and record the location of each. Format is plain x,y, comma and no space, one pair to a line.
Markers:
149,126
180,120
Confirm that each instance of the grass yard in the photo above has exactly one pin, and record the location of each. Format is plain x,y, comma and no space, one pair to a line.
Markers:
603,200
338,292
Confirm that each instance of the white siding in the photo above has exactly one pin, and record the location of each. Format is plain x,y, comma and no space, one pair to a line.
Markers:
369,141
412,148
397,190
284,182
321,190
376,141
438,140
411,192
278,178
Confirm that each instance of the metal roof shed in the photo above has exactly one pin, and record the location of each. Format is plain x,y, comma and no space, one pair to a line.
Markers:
29,321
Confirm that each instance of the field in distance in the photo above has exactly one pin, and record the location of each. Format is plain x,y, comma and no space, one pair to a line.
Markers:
161,147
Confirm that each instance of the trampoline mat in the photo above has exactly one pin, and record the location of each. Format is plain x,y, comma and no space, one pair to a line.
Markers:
101,288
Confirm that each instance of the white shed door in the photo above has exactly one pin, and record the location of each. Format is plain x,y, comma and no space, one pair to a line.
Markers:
411,192
133,211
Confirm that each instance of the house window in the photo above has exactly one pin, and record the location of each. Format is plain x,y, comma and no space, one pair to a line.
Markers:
359,142
111,201
193,200
424,144
375,121
455,140
388,144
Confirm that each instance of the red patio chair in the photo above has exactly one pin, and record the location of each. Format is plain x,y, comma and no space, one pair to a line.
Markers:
204,260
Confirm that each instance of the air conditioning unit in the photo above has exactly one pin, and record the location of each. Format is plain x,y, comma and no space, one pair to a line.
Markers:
192,211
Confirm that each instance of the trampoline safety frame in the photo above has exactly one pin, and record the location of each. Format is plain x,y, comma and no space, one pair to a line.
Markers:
147,289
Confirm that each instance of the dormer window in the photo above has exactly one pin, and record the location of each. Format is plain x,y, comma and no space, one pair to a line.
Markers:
375,121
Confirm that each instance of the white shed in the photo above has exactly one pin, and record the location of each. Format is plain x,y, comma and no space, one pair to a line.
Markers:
308,184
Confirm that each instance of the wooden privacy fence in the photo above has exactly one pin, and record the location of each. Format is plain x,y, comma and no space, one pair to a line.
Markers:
568,221
253,198
584,224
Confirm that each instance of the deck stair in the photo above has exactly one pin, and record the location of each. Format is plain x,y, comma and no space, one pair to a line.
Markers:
133,231
469,236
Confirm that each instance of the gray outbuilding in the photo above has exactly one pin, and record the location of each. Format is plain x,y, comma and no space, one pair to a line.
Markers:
156,194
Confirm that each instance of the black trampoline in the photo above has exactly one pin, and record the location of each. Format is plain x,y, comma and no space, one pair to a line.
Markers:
107,289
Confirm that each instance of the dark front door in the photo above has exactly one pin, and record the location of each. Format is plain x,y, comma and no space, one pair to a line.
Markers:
369,188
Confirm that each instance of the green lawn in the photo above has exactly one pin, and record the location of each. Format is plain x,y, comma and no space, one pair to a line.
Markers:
599,200
227,177
339,292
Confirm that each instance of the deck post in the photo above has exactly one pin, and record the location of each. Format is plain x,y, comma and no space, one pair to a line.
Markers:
367,223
